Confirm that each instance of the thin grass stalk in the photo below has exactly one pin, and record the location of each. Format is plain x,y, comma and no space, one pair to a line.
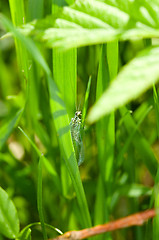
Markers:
39,198
156,186
106,131
64,74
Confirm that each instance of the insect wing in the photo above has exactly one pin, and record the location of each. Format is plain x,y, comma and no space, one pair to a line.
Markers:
77,136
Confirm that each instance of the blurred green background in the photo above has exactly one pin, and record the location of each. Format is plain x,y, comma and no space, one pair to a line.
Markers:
131,183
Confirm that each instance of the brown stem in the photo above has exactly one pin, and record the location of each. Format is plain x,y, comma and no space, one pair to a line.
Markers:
131,220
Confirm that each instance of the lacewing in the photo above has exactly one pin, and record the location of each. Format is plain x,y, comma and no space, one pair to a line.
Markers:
77,131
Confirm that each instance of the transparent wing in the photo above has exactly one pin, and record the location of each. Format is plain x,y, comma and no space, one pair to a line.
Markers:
77,137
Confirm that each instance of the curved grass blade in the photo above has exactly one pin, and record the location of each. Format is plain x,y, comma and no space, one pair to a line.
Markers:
129,140
39,198
48,166
27,230
141,144
8,127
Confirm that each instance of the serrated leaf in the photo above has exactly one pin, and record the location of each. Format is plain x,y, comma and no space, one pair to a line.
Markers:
135,78
95,21
9,222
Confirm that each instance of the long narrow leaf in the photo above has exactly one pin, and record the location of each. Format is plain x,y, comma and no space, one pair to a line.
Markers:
84,111
48,166
39,198
141,145
8,127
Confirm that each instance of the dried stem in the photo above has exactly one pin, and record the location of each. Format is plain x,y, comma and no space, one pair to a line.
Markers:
131,220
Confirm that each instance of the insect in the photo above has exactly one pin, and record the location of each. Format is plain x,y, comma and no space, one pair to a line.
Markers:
77,131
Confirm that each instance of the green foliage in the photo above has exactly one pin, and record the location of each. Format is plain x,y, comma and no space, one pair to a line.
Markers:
41,88
9,222
140,74
97,21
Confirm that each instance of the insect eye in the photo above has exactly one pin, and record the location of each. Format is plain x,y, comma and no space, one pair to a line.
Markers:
78,113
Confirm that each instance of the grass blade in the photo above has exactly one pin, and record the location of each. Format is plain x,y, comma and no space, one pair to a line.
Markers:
65,72
48,166
156,104
84,111
130,138
39,198
106,131
141,145
8,127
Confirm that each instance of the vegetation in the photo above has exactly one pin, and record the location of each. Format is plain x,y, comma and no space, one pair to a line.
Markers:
58,57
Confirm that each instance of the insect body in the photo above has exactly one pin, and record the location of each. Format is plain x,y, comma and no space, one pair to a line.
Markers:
77,136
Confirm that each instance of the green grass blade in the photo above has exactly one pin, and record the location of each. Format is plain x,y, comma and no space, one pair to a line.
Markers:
28,43
8,127
28,69
85,106
113,55
17,12
31,142
18,18
24,232
141,145
48,166
64,73
35,9
39,198
156,204
156,186
112,58
101,129
130,138
99,214
105,129
156,104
